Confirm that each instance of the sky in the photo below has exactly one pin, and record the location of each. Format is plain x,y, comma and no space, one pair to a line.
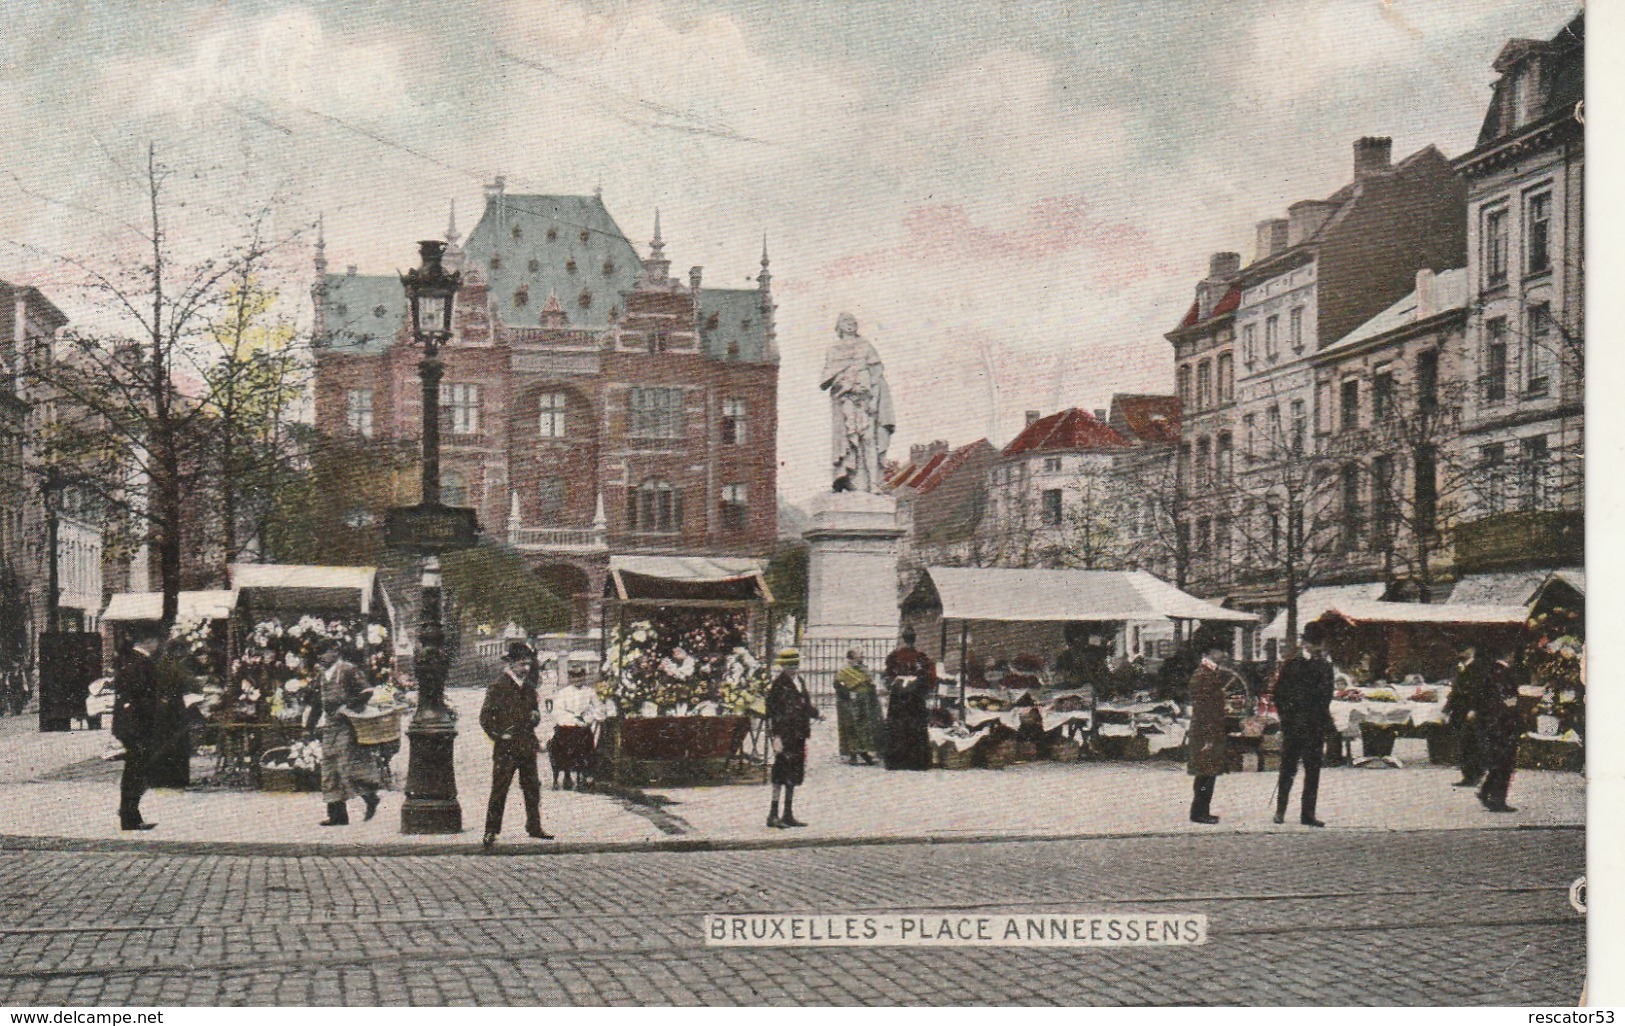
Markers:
1015,200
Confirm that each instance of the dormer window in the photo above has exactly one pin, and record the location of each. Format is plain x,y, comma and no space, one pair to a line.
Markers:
342,310
518,233
521,296
570,265
552,234
609,268
380,310
584,235
496,262
711,323
534,265
585,298
744,325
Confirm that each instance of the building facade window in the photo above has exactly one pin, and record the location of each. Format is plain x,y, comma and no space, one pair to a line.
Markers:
1495,247
1183,471
1273,438
1051,507
460,408
1204,385
358,411
1492,484
1538,233
1382,392
655,507
655,412
1272,337
453,488
733,422
1427,380
1350,405
1300,428
1382,503
1052,464
1204,536
1204,457
1295,328
1224,458
1537,349
1226,378
550,496
1426,503
1249,344
1184,377
1249,430
1536,466
1495,359
735,508
552,408
1353,513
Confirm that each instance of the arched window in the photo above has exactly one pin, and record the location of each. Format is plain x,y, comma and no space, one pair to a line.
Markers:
655,506
453,488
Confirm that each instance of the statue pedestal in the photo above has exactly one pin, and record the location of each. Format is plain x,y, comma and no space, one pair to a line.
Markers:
852,567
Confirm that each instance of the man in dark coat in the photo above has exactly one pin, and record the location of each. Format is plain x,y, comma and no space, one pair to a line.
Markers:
348,768
1498,712
1460,710
790,713
910,679
509,716
135,713
1205,743
1303,698
169,762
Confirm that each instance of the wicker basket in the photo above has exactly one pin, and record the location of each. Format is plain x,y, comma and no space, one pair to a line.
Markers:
376,728
946,756
285,777
1065,750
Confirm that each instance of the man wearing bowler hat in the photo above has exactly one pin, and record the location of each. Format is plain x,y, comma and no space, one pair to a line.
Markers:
509,717
1303,699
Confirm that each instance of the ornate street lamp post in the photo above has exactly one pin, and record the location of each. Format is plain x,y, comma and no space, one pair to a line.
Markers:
429,528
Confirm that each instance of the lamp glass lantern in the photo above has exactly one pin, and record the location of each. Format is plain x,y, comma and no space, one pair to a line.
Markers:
430,289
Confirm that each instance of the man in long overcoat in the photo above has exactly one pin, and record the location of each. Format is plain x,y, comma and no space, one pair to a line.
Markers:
790,713
1498,712
911,679
1205,759
135,713
509,716
348,768
1461,712
1303,698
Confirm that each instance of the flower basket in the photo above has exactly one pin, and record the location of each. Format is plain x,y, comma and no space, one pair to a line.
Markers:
276,774
375,726
947,756
1065,750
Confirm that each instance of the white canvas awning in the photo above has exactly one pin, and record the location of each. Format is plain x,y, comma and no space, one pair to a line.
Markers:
1097,596
1441,614
132,606
293,586
677,580
1314,601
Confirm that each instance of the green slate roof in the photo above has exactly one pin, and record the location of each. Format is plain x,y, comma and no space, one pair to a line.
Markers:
363,311
731,319
568,246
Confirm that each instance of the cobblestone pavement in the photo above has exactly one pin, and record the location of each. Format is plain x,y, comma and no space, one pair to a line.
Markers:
1450,917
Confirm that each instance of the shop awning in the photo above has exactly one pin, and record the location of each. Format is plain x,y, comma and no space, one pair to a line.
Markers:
309,588
679,580
132,606
1096,596
1442,614
1314,601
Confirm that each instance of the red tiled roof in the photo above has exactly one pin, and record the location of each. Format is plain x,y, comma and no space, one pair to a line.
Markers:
1231,300
1068,430
939,469
1150,418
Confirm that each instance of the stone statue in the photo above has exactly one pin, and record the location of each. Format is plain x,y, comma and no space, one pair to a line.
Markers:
862,421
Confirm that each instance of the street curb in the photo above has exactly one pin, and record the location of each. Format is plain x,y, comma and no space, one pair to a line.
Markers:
471,847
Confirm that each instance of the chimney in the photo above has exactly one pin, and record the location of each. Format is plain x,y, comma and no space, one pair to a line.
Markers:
1427,294
1304,219
349,270
694,278
1271,238
1373,155
1032,417
1100,415
1223,266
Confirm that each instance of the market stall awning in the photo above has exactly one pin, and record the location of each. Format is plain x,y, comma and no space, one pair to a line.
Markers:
305,588
1441,614
1314,601
1096,596
149,605
669,580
